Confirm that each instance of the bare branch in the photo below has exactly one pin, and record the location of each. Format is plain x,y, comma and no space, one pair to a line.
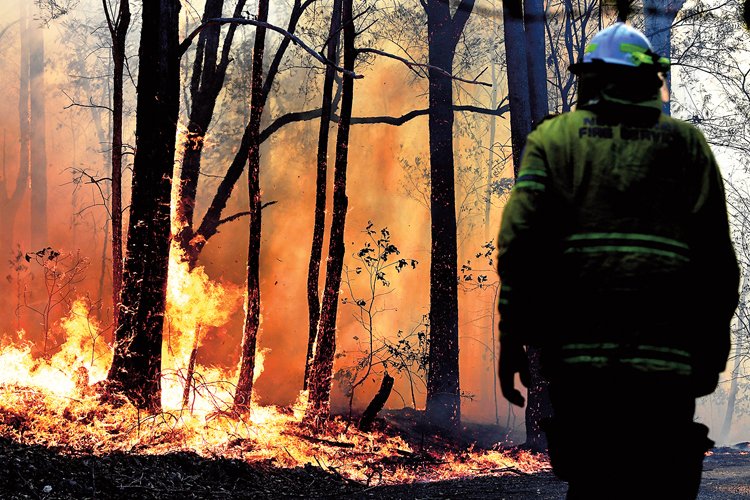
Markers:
238,215
411,65
301,116
239,20
91,104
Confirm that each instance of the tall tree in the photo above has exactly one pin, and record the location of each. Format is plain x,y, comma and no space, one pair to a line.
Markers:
244,390
11,201
321,370
527,90
38,149
118,24
136,366
443,388
313,269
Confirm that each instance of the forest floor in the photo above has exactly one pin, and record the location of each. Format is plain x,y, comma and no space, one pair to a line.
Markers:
38,472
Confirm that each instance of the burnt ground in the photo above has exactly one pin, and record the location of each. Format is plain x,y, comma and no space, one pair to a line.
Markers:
38,472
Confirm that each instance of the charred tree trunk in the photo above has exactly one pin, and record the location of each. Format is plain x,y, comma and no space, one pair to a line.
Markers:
209,72
118,30
136,366
39,238
443,387
377,403
212,219
243,395
313,269
321,370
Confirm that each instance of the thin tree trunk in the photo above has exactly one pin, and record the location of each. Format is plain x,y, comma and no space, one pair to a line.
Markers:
243,394
39,237
443,407
136,366
321,371
118,31
313,269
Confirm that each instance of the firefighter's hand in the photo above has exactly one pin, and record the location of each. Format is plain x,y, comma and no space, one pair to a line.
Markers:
513,359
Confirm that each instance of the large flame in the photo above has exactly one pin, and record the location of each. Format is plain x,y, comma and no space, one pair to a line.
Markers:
52,402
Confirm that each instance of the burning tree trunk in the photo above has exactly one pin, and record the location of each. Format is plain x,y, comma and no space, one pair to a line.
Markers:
244,391
136,367
313,270
118,30
377,403
38,139
209,72
443,388
321,370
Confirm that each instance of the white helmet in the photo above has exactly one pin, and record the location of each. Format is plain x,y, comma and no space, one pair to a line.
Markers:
623,45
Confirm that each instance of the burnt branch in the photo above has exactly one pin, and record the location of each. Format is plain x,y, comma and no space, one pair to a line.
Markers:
302,116
412,65
239,215
294,38
74,103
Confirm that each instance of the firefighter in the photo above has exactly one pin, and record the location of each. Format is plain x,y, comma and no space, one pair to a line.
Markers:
616,262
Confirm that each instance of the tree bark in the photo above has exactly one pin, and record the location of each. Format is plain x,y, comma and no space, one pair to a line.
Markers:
322,368
118,30
377,404
136,366
443,388
38,149
243,394
313,269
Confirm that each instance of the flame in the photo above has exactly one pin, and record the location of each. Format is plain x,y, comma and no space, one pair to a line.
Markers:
52,402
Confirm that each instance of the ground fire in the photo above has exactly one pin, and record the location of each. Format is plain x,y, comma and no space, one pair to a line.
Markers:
55,401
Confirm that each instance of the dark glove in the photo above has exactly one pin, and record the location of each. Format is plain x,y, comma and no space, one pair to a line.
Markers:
513,359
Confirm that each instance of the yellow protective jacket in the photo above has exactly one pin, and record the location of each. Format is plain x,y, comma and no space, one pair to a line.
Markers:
615,247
